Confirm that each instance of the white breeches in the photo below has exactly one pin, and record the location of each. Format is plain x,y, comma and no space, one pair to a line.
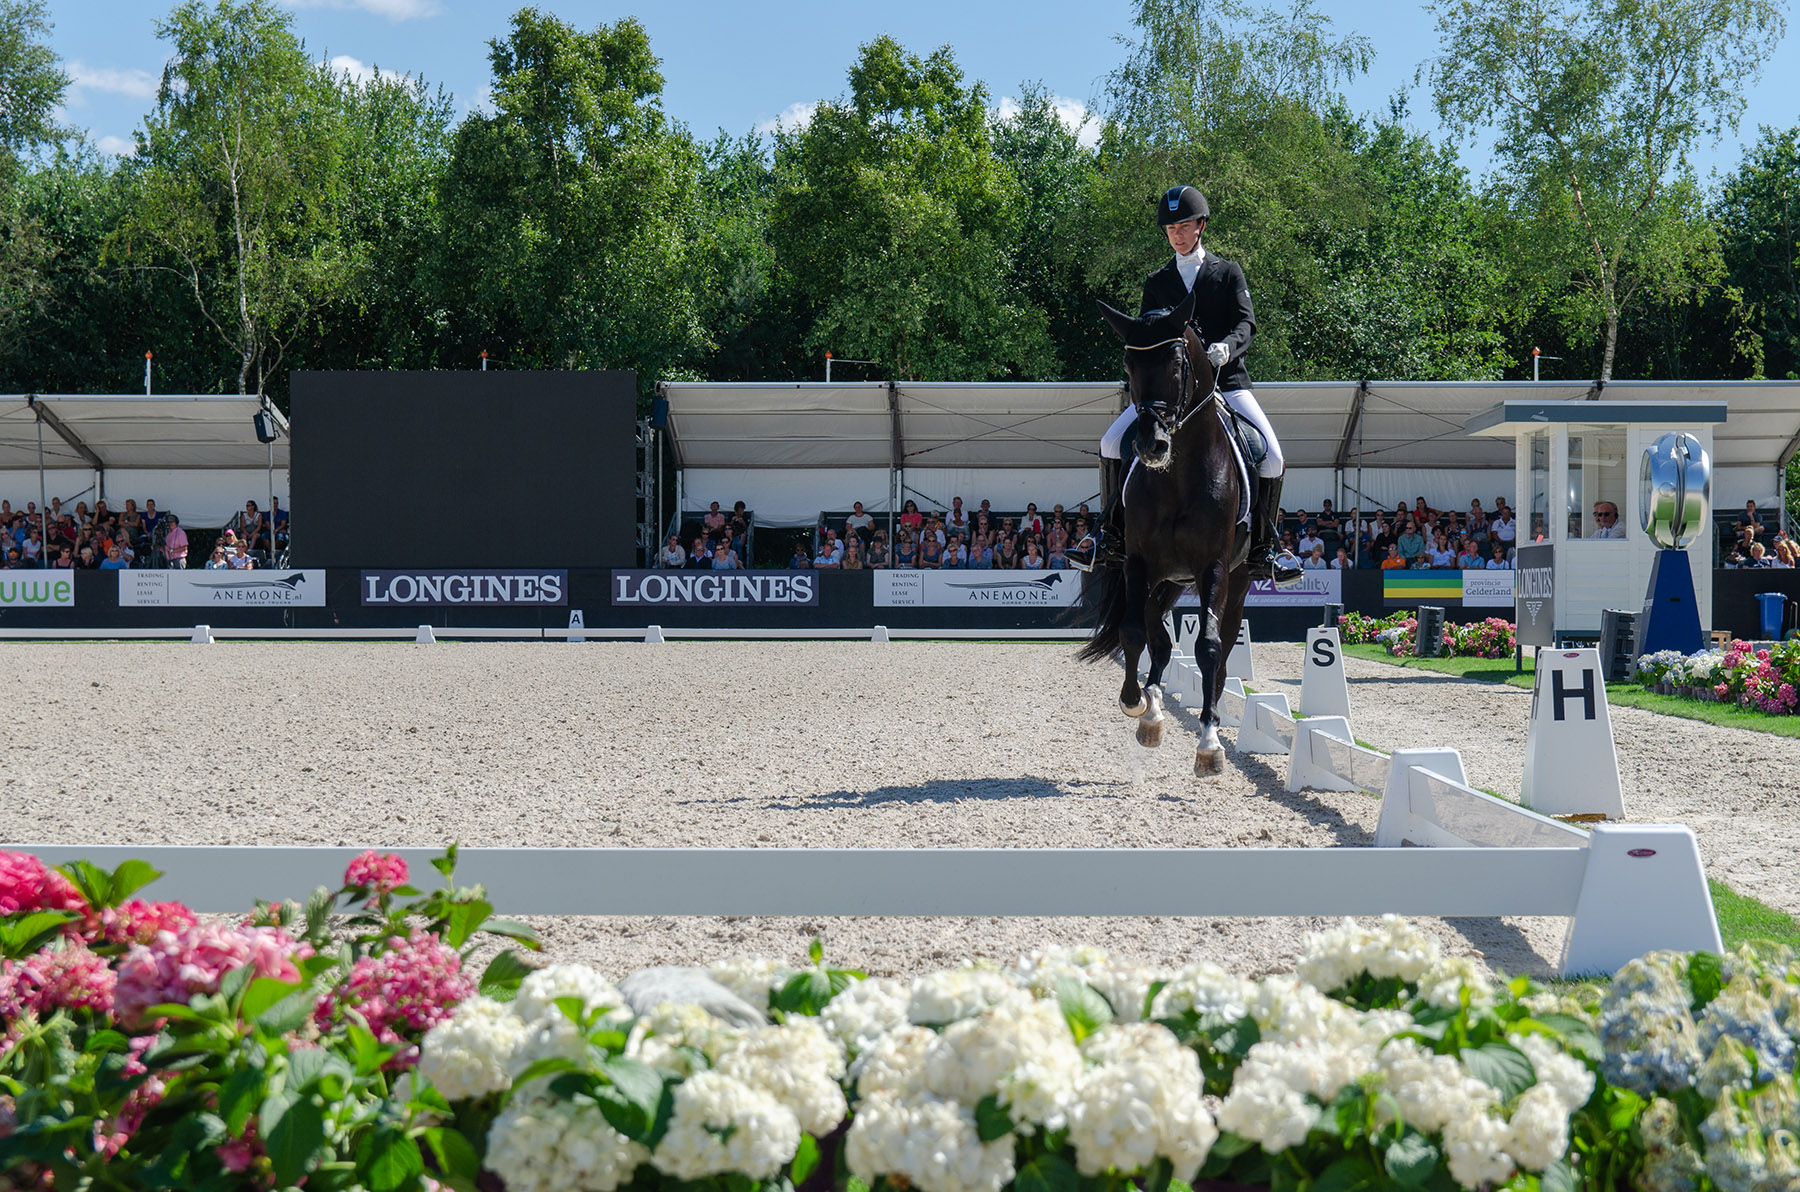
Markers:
1241,400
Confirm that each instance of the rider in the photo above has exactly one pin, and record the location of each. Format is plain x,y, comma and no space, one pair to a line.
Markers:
1222,303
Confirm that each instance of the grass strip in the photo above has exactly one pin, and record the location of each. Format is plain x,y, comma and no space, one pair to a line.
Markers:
1742,918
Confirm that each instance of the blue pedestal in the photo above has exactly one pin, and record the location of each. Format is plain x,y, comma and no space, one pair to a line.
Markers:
1671,616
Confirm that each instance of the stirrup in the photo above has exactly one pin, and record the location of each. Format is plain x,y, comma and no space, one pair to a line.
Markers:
1104,553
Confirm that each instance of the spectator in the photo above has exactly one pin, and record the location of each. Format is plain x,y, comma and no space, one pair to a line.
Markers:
32,549
252,522
910,517
1329,523
1498,561
1031,522
152,519
65,559
837,547
1423,513
1752,520
1393,562
229,541
1343,561
723,559
825,558
860,524
1786,553
934,528
906,551
114,560
131,519
878,550
699,557
1440,553
958,520
1606,520
1468,556
1503,529
671,554
853,560
281,524
1032,559
1310,541
14,560
217,560
799,562
175,543
1757,556
1006,554
1478,522
1410,542
714,521
985,511
955,553
981,553
1315,561
240,559
87,560
931,554
1058,561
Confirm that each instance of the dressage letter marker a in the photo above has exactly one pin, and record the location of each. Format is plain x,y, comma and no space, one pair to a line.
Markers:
1571,764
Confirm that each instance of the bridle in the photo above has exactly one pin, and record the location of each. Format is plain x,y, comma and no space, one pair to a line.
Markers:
1169,419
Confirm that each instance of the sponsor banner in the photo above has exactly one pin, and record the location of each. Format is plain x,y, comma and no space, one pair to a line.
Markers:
976,589
1487,589
207,589
1535,610
1315,589
673,587
494,586
39,590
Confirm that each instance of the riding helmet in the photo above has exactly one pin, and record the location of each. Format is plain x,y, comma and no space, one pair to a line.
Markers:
1181,204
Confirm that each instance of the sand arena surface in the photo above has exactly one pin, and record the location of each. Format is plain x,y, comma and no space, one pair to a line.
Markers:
797,744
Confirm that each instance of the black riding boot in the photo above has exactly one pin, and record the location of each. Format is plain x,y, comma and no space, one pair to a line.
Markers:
1266,559
1101,546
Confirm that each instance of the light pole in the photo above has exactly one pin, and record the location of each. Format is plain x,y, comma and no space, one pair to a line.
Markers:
1537,354
828,365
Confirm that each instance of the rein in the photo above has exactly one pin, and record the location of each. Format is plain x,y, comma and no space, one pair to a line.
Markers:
1181,419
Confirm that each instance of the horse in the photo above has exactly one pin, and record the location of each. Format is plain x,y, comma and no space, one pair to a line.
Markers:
1183,504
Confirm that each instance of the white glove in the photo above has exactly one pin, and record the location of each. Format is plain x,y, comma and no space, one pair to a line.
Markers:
1218,354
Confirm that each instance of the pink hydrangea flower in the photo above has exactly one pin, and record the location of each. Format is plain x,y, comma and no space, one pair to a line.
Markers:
176,965
381,872
69,977
241,1153
137,922
111,1136
27,884
403,992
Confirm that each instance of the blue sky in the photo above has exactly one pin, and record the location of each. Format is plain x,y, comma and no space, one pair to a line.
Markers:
743,65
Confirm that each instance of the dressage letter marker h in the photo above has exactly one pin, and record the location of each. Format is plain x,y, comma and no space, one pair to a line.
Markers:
1571,764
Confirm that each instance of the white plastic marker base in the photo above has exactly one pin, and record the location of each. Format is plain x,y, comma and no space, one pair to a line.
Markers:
1251,738
653,635
1396,825
576,621
1303,774
425,636
1238,662
1571,765
1644,889
880,634
202,636
1228,716
1324,691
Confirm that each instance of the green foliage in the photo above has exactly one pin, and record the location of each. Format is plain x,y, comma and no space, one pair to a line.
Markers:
31,83
1758,214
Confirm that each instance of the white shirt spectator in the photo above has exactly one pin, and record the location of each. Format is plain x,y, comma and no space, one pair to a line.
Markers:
859,520
1499,565
1314,563
674,556
1614,530
1505,528
1308,541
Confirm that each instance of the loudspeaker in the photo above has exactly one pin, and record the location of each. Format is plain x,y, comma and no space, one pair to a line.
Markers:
659,412
265,427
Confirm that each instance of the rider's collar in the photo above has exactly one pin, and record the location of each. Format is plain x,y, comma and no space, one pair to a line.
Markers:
1197,256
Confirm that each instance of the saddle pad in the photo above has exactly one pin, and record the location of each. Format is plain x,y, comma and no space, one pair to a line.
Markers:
1237,453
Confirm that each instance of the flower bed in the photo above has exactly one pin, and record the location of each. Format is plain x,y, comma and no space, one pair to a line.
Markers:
145,1050
1764,680
1492,638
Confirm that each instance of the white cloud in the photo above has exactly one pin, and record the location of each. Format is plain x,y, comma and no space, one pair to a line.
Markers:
393,10
83,76
793,118
118,146
1072,112
483,103
358,70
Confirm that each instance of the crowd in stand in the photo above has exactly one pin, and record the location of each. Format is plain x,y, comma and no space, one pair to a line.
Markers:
1416,537
1756,544
106,539
959,537
722,544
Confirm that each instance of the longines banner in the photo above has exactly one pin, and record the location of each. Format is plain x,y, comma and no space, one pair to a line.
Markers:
200,589
715,587
1314,589
19,591
976,589
383,589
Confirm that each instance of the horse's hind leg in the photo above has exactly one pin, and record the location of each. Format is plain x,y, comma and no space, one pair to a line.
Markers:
1132,700
1209,658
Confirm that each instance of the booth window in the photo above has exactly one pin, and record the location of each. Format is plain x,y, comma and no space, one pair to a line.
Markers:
1540,491
1596,480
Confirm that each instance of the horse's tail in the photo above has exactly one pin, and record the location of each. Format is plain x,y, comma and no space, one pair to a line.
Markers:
1102,605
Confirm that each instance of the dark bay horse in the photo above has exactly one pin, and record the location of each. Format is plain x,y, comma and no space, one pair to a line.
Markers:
1182,507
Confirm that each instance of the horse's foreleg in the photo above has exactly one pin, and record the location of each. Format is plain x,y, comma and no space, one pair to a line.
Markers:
1132,700
1209,657
1150,727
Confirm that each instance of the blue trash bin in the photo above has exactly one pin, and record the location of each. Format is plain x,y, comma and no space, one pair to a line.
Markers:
1774,610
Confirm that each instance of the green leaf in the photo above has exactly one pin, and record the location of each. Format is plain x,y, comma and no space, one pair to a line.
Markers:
105,1042
307,1066
636,1081
1161,1173
546,1067
464,918
233,982
28,933
131,877
1047,1173
1082,1007
625,1115
1156,987
453,1155
1559,1177
1351,1173
94,883
815,951
1706,977
1500,1065
388,1160
369,1051
1231,1037
262,993
512,929
1411,1159
573,1008
806,992
991,1119
1576,1035
294,1138
286,1015
806,1158
500,980
446,864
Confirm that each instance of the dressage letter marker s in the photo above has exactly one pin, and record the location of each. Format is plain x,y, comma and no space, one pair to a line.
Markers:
1324,691
1571,764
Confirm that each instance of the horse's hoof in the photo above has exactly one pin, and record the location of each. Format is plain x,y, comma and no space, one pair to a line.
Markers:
1135,710
1209,763
1149,733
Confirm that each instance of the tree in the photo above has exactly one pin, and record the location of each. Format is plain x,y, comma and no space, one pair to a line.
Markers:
31,89
568,211
1596,105
1758,215
242,186
895,227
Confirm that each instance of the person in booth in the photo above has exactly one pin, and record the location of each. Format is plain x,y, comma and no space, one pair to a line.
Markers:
1226,322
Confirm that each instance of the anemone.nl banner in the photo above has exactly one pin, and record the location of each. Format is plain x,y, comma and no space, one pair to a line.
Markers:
976,589
240,589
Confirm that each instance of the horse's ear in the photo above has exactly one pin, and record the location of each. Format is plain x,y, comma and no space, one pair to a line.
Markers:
1118,320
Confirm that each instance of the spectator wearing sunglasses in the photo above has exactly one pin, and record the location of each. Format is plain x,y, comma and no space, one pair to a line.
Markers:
1606,521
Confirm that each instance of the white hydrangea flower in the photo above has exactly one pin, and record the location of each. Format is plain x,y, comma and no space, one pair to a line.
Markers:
467,1056
1141,1101
1289,1010
750,977
1264,1109
894,1064
932,1142
551,1145
864,1012
1540,1128
539,992
1123,983
798,1065
1443,983
1392,948
1319,1067
668,1035
1020,1050
1426,1090
1475,1147
1204,988
939,998
722,1125
1562,1072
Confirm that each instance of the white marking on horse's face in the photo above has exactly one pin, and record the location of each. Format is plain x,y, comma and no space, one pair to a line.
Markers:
1157,453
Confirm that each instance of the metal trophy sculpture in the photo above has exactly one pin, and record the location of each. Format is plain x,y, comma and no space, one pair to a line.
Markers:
1676,497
